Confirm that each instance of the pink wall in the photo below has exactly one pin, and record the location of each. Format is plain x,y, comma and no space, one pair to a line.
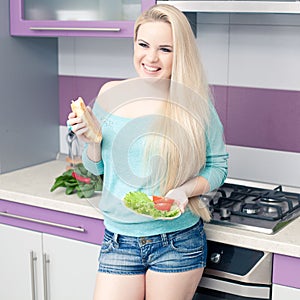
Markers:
252,117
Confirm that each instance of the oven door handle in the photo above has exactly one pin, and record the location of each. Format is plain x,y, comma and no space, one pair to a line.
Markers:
239,289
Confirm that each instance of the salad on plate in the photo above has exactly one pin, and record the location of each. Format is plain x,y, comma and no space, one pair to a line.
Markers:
156,207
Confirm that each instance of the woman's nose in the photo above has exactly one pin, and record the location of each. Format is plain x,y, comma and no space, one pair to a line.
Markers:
152,56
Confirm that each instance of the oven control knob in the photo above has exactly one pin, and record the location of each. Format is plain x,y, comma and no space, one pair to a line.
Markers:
215,257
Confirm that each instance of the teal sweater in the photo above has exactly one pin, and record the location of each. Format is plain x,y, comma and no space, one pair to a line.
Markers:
122,166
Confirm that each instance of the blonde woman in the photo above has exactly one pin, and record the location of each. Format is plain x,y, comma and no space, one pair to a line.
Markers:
161,136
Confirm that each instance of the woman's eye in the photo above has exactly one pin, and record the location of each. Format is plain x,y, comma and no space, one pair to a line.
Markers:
144,45
168,50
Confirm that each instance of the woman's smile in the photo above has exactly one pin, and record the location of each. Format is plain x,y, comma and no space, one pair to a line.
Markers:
151,68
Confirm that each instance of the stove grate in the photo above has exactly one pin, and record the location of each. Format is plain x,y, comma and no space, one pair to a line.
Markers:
254,202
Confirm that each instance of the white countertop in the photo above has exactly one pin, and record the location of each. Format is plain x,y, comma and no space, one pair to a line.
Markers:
32,186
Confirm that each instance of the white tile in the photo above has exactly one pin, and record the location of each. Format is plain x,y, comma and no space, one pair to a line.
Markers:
212,40
63,131
210,18
264,56
64,148
265,19
66,56
261,165
104,57
259,56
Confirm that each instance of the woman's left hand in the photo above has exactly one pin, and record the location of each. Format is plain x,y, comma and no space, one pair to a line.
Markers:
179,196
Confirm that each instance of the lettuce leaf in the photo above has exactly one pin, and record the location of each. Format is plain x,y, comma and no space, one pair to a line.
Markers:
140,203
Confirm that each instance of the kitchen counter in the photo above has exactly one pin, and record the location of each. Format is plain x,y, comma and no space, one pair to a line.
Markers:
32,185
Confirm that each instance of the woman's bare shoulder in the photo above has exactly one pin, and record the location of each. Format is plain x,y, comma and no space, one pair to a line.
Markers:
108,85
109,94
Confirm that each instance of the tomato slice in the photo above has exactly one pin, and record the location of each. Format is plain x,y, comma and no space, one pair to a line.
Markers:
163,206
169,200
160,199
157,199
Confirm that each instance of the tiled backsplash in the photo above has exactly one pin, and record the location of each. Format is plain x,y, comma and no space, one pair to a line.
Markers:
253,64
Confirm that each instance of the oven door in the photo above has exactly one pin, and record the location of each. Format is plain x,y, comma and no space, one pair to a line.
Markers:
234,272
215,288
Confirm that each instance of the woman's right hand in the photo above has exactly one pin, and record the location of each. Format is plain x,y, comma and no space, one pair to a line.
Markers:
79,127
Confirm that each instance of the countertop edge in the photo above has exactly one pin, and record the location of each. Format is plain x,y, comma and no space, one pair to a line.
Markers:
55,205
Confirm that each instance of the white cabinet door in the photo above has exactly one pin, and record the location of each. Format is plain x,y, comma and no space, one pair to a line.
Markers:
36,266
71,268
20,264
280,292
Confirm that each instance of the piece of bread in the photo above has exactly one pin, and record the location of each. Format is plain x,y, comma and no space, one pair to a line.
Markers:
79,108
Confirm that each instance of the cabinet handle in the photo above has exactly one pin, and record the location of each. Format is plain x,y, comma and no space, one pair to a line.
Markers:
46,261
114,29
33,260
6,214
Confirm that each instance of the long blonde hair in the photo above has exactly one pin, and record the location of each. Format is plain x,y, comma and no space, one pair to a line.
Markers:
183,146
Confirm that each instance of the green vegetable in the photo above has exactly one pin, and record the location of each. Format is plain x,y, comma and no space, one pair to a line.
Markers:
142,204
84,189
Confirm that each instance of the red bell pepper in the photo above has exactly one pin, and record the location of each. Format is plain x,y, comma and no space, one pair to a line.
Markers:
81,178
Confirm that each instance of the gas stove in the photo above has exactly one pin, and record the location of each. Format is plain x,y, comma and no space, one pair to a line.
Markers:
253,208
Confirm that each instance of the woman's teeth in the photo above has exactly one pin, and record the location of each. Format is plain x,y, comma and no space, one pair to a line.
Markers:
151,69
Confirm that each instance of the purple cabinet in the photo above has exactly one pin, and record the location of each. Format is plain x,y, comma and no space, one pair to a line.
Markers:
75,18
53,222
286,271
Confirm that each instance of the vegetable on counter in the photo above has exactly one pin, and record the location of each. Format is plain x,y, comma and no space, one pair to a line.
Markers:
81,178
155,207
78,180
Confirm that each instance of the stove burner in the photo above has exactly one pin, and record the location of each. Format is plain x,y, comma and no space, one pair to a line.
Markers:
251,208
273,195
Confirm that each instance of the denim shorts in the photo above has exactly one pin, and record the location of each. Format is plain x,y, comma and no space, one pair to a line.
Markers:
173,252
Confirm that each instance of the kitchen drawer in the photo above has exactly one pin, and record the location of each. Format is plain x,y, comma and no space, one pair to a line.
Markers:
53,222
286,271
